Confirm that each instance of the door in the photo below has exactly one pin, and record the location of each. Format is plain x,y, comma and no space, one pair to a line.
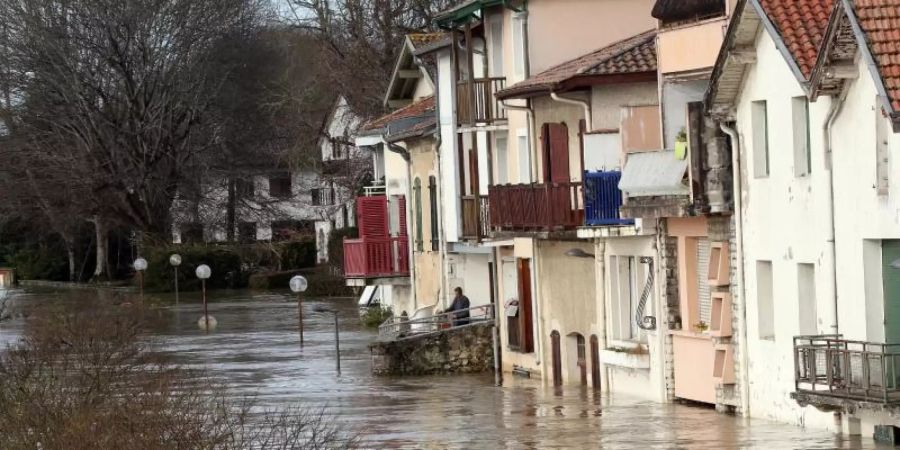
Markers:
555,143
595,362
557,358
890,252
582,358
526,335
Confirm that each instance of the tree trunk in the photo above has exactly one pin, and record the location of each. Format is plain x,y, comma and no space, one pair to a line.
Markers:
231,209
70,250
101,269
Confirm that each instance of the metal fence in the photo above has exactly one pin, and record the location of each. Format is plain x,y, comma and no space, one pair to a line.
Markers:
837,367
398,328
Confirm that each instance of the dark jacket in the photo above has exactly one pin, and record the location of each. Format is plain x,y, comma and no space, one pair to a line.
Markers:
460,304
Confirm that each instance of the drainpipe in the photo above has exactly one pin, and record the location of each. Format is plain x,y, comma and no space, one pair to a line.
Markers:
404,153
600,296
536,297
833,111
529,112
442,235
588,114
739,237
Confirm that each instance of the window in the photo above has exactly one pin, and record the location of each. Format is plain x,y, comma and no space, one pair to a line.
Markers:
520,45
759,120
316,197
627,280
882,162
246,232
244,188
502,159
288,230
524,156
417,198
765,303
806,290
280,185
497,46
802,150
433,206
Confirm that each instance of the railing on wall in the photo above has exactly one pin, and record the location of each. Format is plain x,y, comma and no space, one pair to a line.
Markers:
602,199
480,105
476,216
540,207
832,366
372,257
398,327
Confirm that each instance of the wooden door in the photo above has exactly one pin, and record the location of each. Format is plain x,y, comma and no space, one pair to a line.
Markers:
890,252
582,358
526,335
555,143
557,358
595,362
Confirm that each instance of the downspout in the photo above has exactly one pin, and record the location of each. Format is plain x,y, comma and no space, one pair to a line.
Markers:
536,297
833,111
600,277
532,143
442,236
588,114
739,237
404,153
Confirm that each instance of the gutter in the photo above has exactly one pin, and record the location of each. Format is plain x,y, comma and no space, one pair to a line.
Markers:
833,111
531,134
739,235
588,113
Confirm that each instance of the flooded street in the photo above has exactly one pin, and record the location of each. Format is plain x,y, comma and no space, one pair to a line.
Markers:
256,349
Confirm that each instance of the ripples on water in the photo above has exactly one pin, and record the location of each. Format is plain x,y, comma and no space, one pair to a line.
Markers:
256,350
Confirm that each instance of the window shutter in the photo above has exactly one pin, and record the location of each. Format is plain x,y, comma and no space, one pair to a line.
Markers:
401,208
559,152
372,213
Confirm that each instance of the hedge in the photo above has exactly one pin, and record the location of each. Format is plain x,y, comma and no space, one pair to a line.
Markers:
322,283
224,261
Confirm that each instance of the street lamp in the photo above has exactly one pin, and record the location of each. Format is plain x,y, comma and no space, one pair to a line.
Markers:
140,265
298,285
337,337
579,253
175,261
206,322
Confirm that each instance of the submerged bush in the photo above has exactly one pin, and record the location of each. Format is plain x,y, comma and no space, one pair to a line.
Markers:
375,316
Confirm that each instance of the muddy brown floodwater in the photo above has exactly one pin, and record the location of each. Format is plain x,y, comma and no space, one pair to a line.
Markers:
256,350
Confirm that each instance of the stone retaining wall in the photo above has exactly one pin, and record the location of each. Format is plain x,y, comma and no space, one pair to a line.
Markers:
467,349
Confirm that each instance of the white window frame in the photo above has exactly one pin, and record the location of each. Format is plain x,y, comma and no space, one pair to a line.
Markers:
759,120
802,140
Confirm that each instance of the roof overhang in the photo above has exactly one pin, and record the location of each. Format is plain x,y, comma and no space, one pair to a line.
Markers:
468,11
578,82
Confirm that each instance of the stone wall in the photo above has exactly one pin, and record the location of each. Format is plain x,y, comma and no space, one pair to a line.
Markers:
466,349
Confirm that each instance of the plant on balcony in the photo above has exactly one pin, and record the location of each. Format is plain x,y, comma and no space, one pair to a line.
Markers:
681,144
701,327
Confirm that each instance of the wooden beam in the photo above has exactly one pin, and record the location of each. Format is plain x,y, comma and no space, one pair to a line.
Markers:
742,55
843,71
409,73
398,103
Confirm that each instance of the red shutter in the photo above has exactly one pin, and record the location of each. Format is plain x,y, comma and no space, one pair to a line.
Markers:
372,216
401,213
545,150
559,153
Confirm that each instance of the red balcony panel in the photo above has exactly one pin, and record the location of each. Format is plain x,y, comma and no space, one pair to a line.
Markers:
536,207
375,257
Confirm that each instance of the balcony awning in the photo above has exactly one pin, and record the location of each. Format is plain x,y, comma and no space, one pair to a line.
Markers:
654,173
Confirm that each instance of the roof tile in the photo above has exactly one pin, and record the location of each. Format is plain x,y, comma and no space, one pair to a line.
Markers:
419,108
801,24
880,21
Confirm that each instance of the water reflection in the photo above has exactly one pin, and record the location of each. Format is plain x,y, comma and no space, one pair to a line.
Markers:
256,350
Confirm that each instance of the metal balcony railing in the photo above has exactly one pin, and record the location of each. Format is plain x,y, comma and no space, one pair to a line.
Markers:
476,104
602,199
376,257
397,327
832,366
536,207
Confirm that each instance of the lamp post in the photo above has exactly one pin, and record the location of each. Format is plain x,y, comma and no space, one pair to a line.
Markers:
206,322
175,261
337,337
140,265
298,285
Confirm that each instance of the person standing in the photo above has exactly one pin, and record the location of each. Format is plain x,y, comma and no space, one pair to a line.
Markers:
459,308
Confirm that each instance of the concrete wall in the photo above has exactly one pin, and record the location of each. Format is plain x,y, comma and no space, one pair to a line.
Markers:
779,226
691,47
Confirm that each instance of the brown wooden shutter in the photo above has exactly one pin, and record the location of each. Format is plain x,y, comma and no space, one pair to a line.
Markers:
372,214
401,210
526,334
559,153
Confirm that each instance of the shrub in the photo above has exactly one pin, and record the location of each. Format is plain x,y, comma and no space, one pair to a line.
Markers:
297,254
41,262
375,316
224,261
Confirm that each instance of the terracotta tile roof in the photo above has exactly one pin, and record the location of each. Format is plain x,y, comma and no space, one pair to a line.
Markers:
421,108
801,24
635,54
880,21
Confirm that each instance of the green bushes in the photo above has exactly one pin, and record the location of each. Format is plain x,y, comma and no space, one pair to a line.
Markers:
297,254
375,316
322,282
41,262
224,261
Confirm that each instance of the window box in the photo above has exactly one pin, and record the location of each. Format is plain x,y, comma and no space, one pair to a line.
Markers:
625,359
720,314
719,264
723,365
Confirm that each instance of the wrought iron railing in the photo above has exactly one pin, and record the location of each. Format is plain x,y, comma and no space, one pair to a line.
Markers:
832,366
602,199
398,328
479,105
476,216
541,207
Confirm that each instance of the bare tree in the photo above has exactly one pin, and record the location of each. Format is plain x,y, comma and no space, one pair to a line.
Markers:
113,98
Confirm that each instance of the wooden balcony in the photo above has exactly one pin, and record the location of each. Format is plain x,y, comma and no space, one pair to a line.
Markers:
476,217
376,257
603,199
830,370
536,207
476,104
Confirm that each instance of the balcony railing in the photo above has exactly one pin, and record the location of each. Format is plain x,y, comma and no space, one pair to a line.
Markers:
479,106
376,257
476,216
828,365
536,207
602,199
